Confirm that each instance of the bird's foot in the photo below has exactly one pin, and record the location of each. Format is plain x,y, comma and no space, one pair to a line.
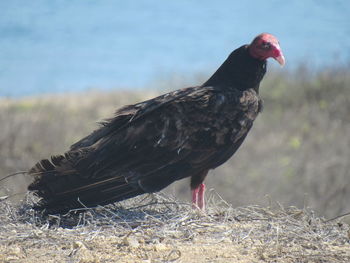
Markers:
198,201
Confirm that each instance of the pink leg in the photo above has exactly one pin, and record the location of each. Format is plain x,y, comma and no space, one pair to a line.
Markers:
201,201
195,198
198,197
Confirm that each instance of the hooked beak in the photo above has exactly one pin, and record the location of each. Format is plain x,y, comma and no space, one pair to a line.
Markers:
278,55
280,59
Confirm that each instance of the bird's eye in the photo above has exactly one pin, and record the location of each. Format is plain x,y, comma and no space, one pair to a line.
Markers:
266,45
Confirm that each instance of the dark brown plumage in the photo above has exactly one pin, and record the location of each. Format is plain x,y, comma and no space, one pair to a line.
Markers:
149,145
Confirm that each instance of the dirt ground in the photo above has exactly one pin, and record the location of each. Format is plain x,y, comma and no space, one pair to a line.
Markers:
156,229
51,247
111,249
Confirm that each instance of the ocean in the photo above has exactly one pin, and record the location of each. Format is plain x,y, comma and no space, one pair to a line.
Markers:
68,46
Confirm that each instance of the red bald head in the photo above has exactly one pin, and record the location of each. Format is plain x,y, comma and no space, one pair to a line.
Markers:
266,46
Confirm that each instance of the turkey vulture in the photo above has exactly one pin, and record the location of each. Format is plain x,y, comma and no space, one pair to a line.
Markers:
149,145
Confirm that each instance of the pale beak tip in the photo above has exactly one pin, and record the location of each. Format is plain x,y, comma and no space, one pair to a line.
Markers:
281,60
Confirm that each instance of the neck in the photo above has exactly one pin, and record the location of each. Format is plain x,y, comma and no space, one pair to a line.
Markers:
239,71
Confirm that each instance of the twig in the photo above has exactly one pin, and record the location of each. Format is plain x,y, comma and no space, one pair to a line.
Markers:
337,217
13,174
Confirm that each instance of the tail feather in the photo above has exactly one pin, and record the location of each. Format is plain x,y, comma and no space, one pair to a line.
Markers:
86,199
62,187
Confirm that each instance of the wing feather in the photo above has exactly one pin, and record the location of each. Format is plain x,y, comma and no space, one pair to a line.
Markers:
145,147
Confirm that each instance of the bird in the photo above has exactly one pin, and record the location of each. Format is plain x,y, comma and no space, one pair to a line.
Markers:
149,145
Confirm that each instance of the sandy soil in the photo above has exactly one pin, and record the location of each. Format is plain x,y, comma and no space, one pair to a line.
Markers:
159,229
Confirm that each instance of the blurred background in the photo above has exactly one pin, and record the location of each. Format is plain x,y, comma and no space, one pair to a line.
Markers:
64,65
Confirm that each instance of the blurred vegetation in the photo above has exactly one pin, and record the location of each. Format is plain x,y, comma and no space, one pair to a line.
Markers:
298,152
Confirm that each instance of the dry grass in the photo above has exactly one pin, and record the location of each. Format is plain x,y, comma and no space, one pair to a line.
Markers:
156,228
298,153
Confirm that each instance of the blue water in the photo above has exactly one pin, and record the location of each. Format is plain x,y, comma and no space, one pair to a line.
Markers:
57,46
